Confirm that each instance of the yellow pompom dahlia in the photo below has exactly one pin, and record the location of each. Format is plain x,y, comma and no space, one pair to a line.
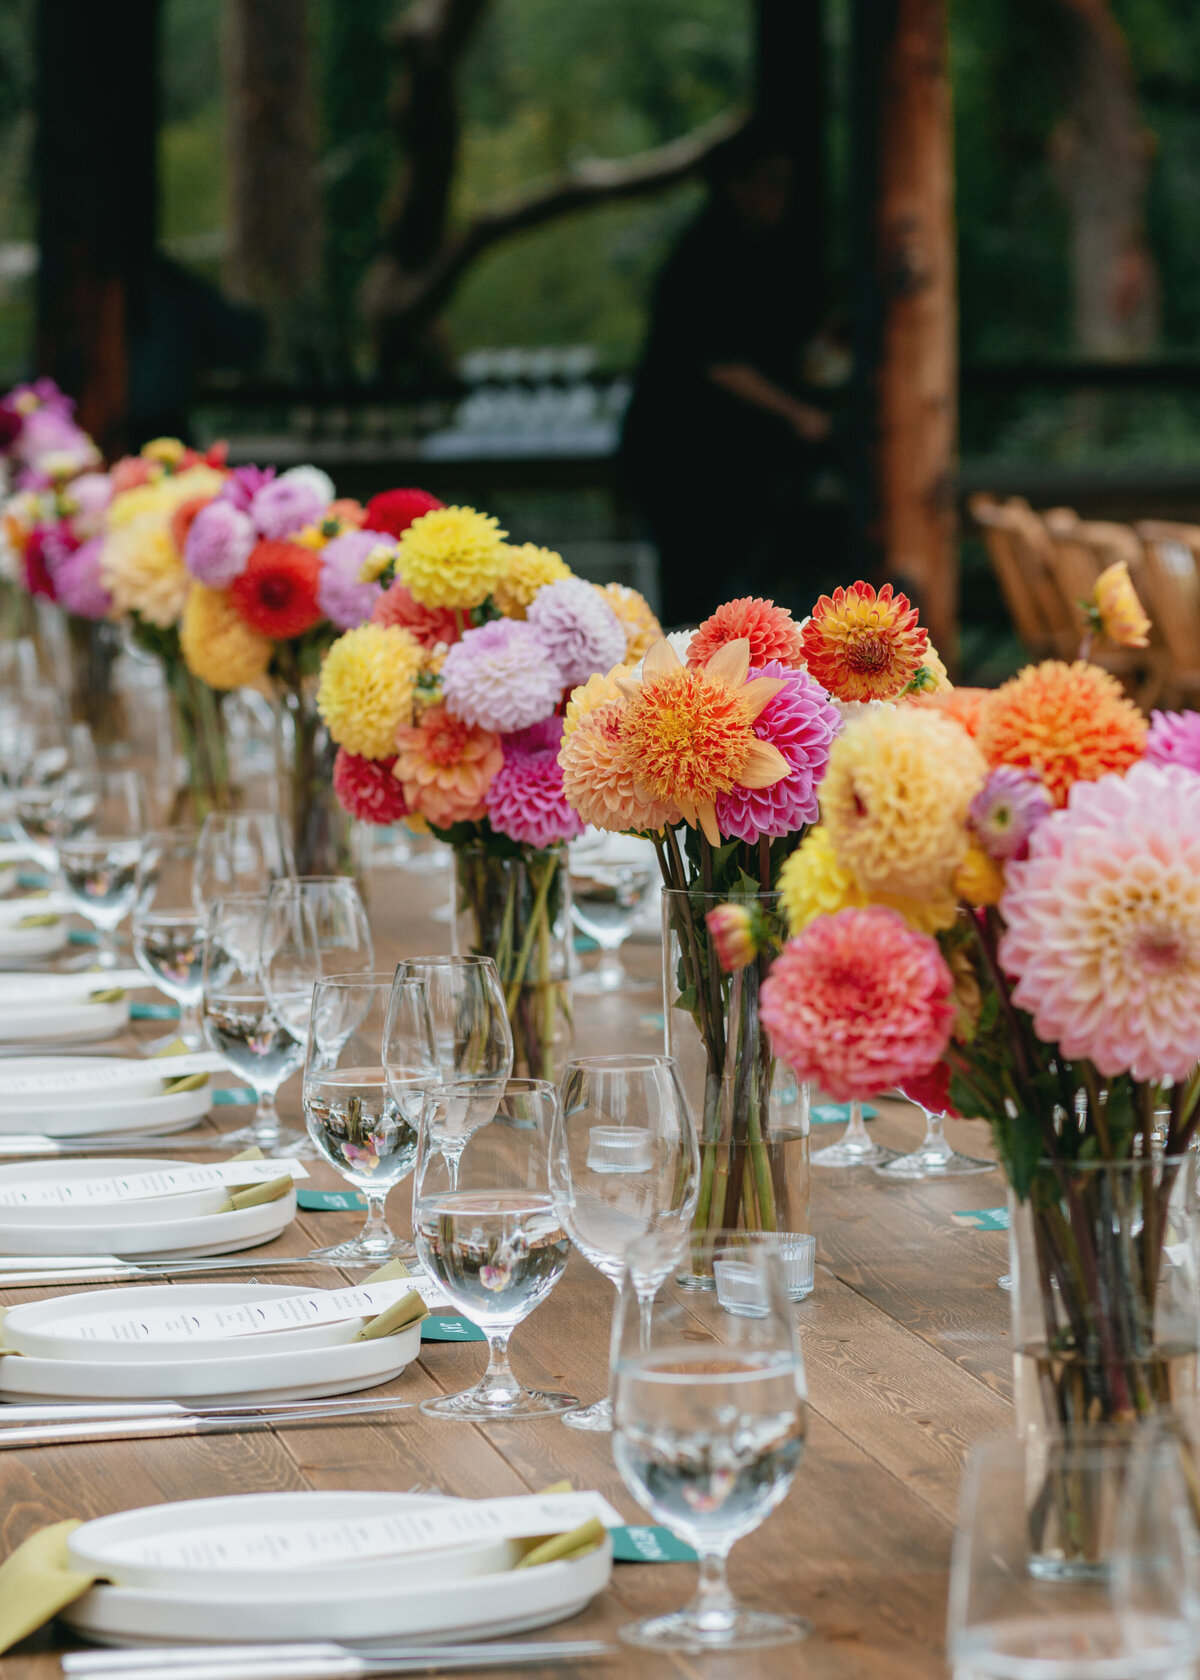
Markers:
218,645
527,568
813,883
597,691
144,572
452,557
366,687
637,620
162,496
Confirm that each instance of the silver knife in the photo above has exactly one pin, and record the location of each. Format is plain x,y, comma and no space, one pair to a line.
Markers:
322,1661
41,1277
232,1420
108,1143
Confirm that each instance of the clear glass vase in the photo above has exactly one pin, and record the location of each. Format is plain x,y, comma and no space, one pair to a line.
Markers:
751,1112
513,903
322,832
203,742
1105,1316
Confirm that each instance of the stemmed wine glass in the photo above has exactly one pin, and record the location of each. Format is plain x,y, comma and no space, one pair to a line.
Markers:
98,866
168,930
363,1123
624,1164
52,762
708,1424
855,1148
238,1020
489,1233
472,1039
240,852
934,1156
315,925
607,896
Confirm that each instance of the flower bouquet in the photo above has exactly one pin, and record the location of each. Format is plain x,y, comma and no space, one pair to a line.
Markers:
447,707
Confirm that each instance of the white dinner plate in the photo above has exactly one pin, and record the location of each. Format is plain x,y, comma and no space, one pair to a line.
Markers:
166,1111
161,1235
477,1607
18,943
62,1081
8,877
52,1329
74,1023
178,1548
143,1210
308,1374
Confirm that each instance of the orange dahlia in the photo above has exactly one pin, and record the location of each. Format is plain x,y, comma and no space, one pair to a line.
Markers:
964,705
445,767
689,736
597,780
1069,723
863,646
771,631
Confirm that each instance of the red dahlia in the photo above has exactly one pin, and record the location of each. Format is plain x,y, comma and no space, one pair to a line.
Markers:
393,511
277,593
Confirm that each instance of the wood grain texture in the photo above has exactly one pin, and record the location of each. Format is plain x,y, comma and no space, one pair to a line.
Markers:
905,1344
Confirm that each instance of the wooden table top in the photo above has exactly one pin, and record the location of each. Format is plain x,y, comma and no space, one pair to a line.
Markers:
905,1343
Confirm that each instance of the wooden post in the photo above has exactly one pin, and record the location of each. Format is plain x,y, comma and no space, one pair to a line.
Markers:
95,173
906,316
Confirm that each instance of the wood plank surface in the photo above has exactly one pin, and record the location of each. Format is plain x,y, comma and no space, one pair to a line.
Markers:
906,1350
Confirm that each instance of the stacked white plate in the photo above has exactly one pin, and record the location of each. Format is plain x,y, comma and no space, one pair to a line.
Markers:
58,1008
130,1099
58,1357
235,1570
17,943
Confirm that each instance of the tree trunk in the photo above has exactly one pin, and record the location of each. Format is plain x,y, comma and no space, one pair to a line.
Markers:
96,200
1100,156
906,363
274,205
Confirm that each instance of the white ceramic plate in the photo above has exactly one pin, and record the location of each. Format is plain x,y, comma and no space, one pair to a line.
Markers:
8,877
310,1374
60,1086
165,1112
163,1234
127,1549
142,1211
76,1023
17,943
478,1607
50,1329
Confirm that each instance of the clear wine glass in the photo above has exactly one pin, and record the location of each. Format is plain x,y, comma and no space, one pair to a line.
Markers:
168,930
238,1021
708,1424
934,1156
855,1148
489,1233
1040,1586
624,1164
53,760
363,1123
1156,1540
98,866
240,852
472,1039
607,897
315,925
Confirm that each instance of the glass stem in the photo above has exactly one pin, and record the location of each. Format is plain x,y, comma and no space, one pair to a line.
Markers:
376,1233
190,1029
856,1130
498,1386
713,1605
935,1136
645,1318
266,1121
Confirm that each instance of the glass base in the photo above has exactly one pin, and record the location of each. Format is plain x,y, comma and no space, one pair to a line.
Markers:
598,1417
602,982
853,1153
480,1404
284,1141
357,1249
936,1161
732,1630
156,1046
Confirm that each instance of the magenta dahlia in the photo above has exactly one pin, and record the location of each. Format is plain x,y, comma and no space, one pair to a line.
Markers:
525,799
801,721
1174,739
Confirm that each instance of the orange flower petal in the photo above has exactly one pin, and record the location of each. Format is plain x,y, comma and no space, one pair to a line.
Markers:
757,695
660,661
765,765
730,663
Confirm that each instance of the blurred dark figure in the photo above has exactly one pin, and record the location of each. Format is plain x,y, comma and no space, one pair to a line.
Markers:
718,443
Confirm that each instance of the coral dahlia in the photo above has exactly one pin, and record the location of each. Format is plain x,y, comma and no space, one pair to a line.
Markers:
445,766
1070,723
597,779
771,631
367,789
430,625
863,646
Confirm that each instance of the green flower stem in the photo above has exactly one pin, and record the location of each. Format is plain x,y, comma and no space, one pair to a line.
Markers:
536,914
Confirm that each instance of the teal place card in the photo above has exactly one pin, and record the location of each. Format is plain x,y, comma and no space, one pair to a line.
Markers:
837,1114
448,1327
649,1545
330,1201
983,1219
232,1095
154,1012
33,882
83,936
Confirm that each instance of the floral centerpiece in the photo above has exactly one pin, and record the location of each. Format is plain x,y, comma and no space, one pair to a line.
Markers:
1029,860
448,703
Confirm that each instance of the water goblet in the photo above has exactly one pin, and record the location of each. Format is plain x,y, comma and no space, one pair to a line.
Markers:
362,1122
240,852
53,761
238,1020
934,1156
472,1039
855,1148
98,866
708,1424
624,1164
315,925
489,1234
607,897
168,930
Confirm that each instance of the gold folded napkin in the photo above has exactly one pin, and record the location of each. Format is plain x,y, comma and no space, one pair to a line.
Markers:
408,1310
47,919
114,994
559,1547
190,1082
255,1195
37,1581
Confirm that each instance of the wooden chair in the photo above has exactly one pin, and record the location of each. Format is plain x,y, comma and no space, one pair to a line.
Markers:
1079,550
1170,585
1017,546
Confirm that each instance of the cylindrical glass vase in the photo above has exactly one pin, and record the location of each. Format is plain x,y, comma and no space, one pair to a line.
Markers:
1105,1312
514,905
322,831
750,1110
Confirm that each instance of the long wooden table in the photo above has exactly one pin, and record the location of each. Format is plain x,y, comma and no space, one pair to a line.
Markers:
905,1345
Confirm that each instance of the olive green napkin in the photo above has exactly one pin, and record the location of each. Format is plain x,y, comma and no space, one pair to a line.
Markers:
559,1547
114,994
408,1310
190,1082
37,1581
46,919
257,1195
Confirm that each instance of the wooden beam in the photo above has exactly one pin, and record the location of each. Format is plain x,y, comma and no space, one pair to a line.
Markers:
906,311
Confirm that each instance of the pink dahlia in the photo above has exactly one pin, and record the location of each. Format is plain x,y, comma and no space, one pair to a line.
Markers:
219,542
342,595
859,1003
243,484
430,625
1174,739
367,789
1007,809
526,800
801,721
288,503
1104,924
501,677
77,582
578,628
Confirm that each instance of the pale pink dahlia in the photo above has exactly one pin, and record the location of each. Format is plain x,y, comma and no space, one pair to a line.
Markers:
288,503
859,1003
1007,809
219,543
801,721
341,595
1174,739
367,789
77,584
579,629
501,677
1104,924
525,799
